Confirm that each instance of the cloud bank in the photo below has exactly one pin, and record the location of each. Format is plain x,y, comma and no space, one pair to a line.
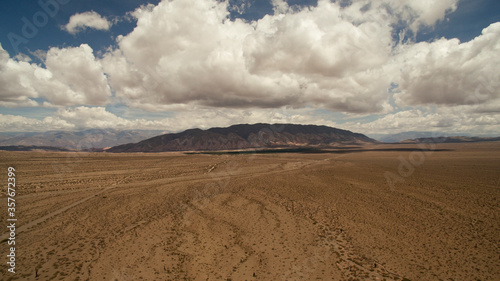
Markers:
188,56
189,52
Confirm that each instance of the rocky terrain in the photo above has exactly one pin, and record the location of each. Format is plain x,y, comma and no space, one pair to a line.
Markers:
383,213
246,136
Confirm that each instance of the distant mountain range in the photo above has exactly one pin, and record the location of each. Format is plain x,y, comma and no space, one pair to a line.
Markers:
32,148
394,138
235,137
246,136
414,136
77,140
455,139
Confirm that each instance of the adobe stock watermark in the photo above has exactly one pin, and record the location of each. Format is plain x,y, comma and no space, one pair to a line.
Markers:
232,168
74,159
407,166
304,269
31,27
11,219
485,89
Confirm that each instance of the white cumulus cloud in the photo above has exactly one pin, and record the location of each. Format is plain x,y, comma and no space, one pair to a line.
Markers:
413,14
189,52
81,21
71,76
447,72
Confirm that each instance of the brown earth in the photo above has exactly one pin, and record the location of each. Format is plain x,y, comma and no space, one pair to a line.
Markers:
290,216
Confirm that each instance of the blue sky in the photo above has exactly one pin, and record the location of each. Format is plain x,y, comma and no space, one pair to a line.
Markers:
51,35
465,23
148,64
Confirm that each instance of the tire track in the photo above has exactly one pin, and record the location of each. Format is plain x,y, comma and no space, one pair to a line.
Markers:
27,226
162,182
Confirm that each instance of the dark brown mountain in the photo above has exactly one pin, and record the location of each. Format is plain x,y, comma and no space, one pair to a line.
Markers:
246,136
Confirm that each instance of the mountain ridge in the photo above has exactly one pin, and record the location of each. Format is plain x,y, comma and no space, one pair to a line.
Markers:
246,136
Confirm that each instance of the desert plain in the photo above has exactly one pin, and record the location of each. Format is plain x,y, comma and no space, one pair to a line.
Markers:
378,212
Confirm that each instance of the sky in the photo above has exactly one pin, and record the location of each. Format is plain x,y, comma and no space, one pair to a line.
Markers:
374,67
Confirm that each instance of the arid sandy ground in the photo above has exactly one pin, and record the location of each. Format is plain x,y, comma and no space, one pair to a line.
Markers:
171,216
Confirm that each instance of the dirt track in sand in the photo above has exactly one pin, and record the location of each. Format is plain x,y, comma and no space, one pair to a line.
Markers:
288,216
